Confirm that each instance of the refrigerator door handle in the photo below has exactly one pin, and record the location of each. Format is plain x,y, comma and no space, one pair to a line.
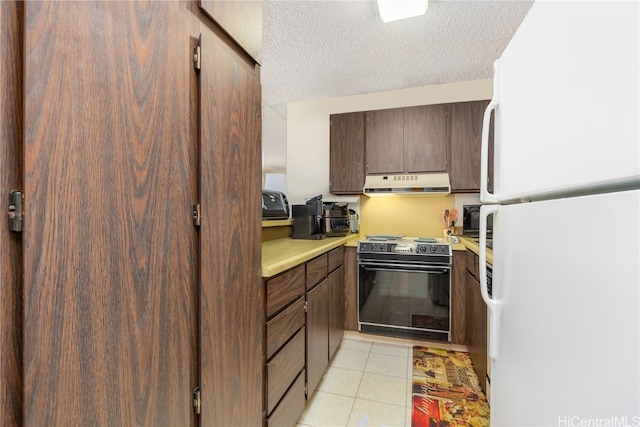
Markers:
493,305
485,196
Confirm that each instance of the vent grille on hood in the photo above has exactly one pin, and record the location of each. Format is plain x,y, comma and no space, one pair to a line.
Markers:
408,184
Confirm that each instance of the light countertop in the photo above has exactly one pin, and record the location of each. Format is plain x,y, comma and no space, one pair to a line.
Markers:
282,254
473,246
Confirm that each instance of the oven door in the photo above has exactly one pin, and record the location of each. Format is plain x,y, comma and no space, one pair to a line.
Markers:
404,300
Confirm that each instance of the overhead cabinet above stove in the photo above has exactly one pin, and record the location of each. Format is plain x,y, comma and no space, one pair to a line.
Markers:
407,140
421,139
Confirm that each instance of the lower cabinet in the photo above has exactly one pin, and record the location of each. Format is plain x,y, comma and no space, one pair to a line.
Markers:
458,298
336,309
476,320
305,324
317,334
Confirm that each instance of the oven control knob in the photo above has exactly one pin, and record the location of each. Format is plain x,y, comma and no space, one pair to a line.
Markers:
422,249
381,247
433,248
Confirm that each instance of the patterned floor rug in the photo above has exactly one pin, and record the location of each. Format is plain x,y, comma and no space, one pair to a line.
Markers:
446,391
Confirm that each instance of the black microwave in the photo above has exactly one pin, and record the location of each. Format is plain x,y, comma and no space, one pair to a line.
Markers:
471,221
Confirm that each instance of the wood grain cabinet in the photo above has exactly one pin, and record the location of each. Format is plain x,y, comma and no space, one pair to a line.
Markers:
317,334
305,324
325,314
109,281
285,336
407,140
425,138
458,298
466,132
384,141
476,320
346,153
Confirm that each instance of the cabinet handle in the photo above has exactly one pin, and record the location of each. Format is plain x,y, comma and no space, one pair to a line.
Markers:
493,305
485,196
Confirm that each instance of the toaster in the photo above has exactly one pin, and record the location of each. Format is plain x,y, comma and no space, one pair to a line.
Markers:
274,205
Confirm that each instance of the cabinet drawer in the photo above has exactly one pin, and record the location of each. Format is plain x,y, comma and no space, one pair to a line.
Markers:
291,406
284,368
283,289
316,270
284,325
335,258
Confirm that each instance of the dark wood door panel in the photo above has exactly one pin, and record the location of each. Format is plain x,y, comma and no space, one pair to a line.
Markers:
110,298
384,141
232,295
317,334
11,108
350,289
336,309
425,138
466,135
458,298
346,153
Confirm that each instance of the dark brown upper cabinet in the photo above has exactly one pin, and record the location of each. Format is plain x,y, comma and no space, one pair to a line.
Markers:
425,138
384,142
407,140
242,20
346,153
466,133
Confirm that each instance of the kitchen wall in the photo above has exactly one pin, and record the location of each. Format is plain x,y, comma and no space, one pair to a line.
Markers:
308,127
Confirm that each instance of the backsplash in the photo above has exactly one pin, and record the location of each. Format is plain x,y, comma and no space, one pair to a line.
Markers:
417,216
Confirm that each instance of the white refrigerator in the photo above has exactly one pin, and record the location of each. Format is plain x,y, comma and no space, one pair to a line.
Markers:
564,318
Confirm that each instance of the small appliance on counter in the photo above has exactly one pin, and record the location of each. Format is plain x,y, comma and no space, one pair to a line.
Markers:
274,205
307,220
471,221
335,219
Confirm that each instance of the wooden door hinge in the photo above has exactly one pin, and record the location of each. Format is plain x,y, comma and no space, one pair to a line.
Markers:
196,214
16,214
197,402
197,58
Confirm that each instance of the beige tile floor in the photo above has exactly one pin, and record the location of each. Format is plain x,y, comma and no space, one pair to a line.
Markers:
367,384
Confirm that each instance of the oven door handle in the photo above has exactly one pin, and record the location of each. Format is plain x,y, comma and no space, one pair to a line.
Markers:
409,268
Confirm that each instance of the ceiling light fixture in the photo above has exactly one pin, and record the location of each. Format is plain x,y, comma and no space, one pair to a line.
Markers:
393,10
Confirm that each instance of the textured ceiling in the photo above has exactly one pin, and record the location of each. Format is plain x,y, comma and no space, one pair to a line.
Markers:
324,49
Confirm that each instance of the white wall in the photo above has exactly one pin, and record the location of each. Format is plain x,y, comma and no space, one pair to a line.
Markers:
308,127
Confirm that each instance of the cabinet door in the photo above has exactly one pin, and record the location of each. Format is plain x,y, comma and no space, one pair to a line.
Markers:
350,289
109,251
242,20
466,133
385,145
336,309
11,291
317,334
458,298
346,153
476,332
425,138
232,306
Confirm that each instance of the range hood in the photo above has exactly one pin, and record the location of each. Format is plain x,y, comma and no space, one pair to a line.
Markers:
408,184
